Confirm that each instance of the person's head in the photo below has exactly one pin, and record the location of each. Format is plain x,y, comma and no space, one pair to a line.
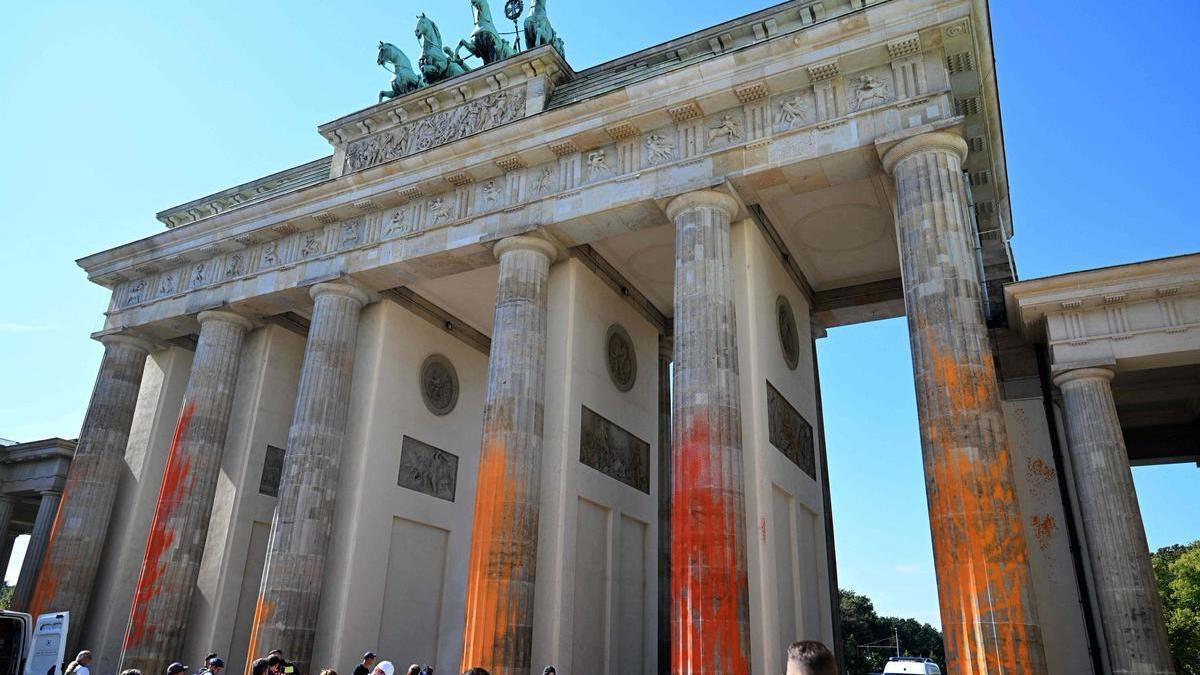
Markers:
384,668
274,662
549,670
328,671
84,658
426,670
477,671
176,668
215,664
131,671
369,659
260,667
810,657
414,669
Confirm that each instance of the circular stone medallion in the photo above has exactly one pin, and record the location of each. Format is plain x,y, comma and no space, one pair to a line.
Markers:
439,384
789,340
621,359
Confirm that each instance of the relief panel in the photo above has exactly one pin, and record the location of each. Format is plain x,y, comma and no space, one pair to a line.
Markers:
613,451
790,432
427,469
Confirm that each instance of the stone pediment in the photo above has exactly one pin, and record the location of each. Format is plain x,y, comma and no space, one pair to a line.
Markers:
480,100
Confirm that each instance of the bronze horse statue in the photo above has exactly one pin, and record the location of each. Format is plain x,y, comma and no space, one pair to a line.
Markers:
485,41
437,62
538,30
404,78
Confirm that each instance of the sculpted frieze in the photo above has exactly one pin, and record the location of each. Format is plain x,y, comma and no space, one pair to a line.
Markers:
437,129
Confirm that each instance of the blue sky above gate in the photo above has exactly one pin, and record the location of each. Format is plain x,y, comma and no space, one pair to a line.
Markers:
113,111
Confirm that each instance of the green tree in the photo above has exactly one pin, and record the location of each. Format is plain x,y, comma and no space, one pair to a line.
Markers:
6,592
862,626
1177,570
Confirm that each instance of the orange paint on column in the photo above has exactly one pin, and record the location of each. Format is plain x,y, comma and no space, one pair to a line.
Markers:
175,482
708,571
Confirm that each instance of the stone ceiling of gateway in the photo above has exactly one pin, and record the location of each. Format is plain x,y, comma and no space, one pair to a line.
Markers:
788,109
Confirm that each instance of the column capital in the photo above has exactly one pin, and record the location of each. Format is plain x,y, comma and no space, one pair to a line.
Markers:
51,492
225,316
702,199
934,141
341,288
526,242
126,340
1087,373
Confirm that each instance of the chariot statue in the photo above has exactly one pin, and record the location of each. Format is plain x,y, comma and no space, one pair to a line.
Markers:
438,62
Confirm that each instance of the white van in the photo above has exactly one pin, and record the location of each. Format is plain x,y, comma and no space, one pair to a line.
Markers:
911,664
16,634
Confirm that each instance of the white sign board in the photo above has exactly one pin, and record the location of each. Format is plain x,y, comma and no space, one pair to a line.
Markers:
49,641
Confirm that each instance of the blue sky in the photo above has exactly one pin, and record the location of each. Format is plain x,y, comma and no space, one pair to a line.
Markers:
113,111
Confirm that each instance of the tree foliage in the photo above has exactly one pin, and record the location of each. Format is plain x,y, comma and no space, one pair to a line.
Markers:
862,626
1177,570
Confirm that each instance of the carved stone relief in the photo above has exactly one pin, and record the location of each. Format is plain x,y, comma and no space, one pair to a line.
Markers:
613,451
659,148
272,472
620,357
790,432
789,338
437,129
427,469
439,384
867,90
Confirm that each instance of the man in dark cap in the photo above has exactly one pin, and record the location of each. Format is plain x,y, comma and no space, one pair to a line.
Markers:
176,668
364,667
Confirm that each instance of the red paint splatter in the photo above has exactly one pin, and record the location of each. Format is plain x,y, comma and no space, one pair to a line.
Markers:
1043,529
1039,474
708,574
161,537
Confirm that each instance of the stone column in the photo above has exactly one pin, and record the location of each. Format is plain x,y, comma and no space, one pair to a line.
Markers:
286,614
1130,610
665,353
81,527
500,572
7,504
175,545
710,615
989,616
47,507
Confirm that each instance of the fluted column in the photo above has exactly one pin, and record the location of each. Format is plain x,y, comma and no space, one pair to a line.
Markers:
81,527
710,615
500,572
175,545
286,614
1130,610
38,539
989,616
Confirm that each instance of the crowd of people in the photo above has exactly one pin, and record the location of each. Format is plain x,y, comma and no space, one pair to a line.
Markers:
803,658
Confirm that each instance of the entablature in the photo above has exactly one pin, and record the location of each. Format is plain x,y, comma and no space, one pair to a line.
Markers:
580,171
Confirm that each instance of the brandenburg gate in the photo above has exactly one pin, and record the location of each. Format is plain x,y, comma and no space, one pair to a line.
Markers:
524,373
